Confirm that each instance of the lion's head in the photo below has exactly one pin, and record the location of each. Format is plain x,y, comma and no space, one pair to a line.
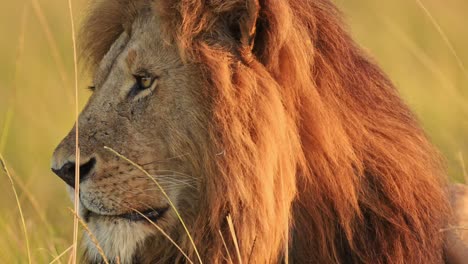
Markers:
262,110
148,105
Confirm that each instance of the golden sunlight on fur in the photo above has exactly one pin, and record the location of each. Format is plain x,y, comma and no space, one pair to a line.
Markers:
264,111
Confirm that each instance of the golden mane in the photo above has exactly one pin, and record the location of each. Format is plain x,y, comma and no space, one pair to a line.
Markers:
321,160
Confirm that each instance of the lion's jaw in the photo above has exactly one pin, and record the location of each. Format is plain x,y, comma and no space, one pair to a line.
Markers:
155,127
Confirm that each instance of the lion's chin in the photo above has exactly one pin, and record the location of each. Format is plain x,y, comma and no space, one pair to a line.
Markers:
117,238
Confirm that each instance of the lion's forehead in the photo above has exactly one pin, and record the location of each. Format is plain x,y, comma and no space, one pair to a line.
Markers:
110,58
144,45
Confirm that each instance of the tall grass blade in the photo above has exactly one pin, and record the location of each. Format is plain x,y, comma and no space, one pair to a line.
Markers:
234,237
19,55
444,37
225,246
429,63
50,40
77,149
6,127
33,201
56,259
25,230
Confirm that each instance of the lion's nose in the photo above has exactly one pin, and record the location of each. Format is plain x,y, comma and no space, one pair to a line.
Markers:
67,171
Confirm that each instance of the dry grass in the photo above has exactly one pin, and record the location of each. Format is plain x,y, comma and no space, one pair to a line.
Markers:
225,247
421,44
234,238
25,230
76,202
57,259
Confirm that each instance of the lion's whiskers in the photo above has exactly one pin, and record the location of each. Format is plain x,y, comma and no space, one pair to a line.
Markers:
172,171
148,192
165,159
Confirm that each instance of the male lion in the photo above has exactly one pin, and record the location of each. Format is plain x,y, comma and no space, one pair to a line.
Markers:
265,111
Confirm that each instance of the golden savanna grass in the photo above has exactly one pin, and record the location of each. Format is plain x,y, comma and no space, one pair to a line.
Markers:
421,45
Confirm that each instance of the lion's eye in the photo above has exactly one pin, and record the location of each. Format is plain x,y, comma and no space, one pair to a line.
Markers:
144,81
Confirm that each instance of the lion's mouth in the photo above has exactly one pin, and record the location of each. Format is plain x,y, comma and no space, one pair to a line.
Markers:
152,215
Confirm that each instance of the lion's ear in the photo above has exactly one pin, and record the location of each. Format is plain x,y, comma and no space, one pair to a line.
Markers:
248,24
241,19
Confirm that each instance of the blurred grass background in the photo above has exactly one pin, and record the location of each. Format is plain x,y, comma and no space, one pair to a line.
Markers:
37,103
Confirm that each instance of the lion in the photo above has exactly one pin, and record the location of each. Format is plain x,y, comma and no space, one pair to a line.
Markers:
263,112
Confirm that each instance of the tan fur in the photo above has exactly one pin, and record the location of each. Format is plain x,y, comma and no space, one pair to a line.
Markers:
279,117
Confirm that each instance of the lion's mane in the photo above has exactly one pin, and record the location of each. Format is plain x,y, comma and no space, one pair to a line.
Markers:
315,156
